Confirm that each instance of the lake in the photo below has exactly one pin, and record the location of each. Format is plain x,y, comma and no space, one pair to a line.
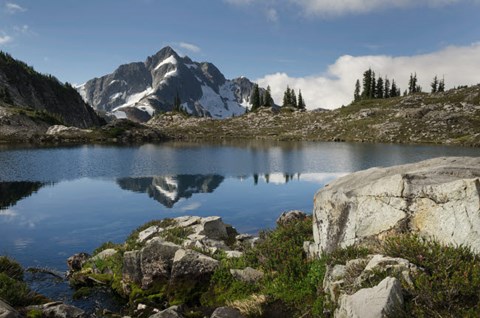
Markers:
55,202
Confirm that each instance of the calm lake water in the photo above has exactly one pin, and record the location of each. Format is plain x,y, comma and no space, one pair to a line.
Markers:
55,202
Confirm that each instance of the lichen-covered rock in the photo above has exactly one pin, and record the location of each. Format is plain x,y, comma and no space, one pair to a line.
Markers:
226,312
6,311
109,252
383,300
64,131
171,312
288,217
188,263
61,310
152,262
247,275
437,198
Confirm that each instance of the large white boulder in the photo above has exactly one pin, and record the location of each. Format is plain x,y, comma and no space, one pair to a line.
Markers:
437,198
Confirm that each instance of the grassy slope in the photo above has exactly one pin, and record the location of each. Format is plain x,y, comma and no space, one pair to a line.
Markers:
452,117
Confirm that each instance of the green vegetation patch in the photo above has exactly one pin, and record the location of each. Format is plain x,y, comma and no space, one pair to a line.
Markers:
448,284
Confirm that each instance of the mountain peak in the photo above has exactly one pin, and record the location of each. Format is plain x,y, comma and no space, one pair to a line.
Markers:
153,85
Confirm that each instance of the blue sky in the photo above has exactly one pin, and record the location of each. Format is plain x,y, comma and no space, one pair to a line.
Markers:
317,45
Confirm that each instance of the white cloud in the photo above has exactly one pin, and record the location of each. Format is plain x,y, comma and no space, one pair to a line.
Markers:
21,29
335,88
190,207
328,8
189,47
4,38
13,8
272,15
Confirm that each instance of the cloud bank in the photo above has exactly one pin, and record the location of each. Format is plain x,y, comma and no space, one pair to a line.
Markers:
4,38
329,8
189,47
334,88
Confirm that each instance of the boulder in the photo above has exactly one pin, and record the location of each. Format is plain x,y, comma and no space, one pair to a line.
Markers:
291,217
6,311
147,233
64,131
171,312
61,310
109,252
383,300
437,198
226,312
75,262
188,263
152,262
247,275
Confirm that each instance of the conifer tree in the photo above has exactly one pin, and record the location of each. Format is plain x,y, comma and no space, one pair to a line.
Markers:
441,85
434,84
301,102
412,84
356,93
373,86
379,88
393,90
367,84
268,100
287,97
386,92
293,99
255,98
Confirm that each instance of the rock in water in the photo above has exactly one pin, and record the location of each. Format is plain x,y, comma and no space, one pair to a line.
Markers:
437,198
75,262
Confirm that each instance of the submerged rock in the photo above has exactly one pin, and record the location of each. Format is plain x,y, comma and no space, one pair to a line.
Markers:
437,198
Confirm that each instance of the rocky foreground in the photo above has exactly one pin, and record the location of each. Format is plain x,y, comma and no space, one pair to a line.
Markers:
384,242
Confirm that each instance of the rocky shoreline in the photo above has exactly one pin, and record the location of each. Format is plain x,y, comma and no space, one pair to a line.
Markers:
385,242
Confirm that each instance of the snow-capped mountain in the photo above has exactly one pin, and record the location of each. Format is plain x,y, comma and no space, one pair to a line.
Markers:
168,190
138,90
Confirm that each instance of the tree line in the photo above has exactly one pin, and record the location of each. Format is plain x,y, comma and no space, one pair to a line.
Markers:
290,99
373,88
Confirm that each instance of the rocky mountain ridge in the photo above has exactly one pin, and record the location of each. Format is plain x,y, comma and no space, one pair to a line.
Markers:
138,90
22,87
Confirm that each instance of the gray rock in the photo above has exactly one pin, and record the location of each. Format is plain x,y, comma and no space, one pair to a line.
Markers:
383,300
152,262
61,310
226,312
6,311
436,198
64,131
247,275
188,263
291,217
109,252
75,262
171,312
147,233
156,260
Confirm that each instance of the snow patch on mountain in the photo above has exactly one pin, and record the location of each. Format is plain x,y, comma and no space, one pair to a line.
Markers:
135,98
170,60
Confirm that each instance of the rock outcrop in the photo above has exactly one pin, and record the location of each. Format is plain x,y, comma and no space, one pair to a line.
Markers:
6,311
383,300
437,198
